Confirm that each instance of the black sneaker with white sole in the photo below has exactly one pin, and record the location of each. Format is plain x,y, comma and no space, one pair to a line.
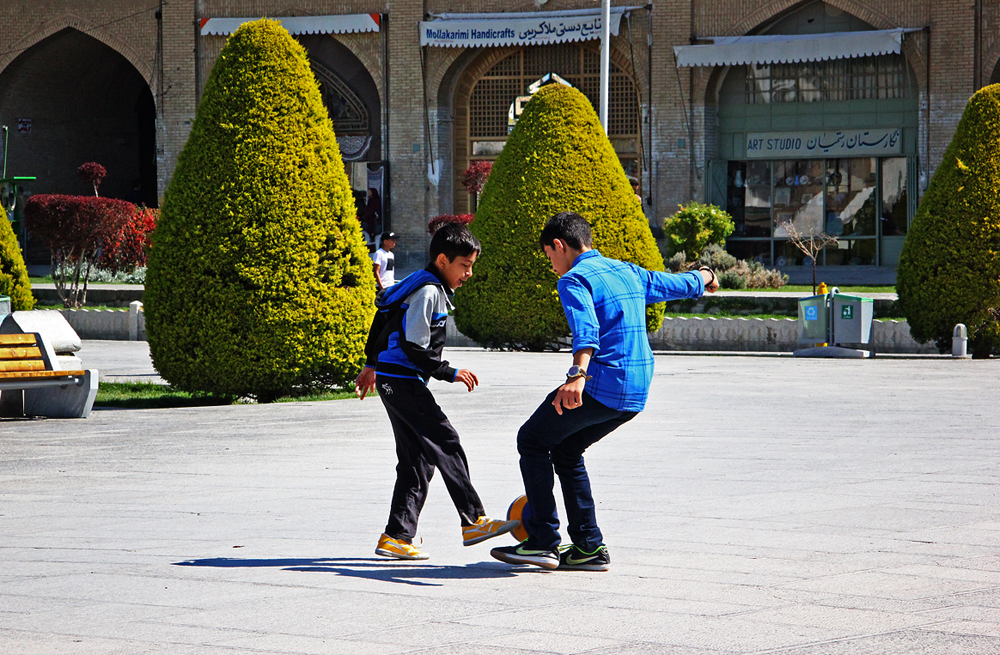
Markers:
519,554
574,557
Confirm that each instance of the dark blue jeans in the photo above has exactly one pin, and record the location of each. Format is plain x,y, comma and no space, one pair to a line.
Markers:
549,443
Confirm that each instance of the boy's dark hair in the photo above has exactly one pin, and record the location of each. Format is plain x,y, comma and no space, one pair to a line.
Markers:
569,227
454,240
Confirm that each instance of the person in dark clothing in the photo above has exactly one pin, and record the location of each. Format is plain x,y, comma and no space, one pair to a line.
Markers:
403,352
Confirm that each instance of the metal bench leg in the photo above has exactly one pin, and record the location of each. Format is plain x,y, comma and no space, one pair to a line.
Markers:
12,403
68,401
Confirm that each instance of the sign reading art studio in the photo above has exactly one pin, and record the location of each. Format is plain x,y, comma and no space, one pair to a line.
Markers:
812,145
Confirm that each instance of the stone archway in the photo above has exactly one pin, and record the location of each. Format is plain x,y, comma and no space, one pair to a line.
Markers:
70,99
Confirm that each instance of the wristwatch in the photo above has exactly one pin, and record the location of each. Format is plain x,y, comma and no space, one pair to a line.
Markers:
577,372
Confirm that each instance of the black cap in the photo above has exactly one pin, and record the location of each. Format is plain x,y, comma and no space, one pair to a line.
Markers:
389,235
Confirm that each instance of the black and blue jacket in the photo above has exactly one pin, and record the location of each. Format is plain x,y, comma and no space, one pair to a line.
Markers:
407,335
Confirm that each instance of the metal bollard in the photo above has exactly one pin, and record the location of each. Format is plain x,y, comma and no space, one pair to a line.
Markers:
960,341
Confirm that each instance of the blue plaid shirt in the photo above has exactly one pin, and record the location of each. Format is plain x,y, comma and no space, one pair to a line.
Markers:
605,303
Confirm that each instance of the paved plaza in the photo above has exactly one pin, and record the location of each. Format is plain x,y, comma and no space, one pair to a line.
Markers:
760,504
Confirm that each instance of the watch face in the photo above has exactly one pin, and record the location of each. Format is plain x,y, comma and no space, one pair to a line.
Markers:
573,370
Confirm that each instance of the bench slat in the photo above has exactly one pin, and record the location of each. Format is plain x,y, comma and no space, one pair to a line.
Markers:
20,353
17,339
8,375
22,365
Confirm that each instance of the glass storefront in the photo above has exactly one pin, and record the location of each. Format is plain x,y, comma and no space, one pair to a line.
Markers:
858,200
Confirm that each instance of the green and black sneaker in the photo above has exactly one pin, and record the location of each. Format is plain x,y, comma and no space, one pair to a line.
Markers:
573,557
547,559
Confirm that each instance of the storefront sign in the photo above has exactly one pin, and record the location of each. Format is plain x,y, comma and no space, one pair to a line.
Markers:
810,145
502,29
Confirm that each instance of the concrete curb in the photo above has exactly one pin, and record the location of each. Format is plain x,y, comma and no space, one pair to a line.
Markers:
676,334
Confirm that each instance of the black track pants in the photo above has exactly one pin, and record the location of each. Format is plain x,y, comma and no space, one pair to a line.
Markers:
425,439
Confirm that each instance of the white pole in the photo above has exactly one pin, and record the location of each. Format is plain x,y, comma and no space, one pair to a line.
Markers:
605,61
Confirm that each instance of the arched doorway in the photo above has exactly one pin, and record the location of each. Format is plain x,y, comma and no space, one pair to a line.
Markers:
71,99
352,99
817,178
493,81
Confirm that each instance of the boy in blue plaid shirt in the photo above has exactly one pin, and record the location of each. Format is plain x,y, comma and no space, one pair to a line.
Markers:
605,304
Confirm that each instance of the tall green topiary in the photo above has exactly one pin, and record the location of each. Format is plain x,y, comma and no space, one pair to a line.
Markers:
258,282
14,282
556,159
949,270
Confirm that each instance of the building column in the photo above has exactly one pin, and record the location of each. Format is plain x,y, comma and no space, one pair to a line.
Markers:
675,172
174,86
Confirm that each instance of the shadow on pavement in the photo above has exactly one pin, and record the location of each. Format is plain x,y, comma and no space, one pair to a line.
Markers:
385,570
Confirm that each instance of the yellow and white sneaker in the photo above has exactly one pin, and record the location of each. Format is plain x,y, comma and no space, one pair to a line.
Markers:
389,547
486,528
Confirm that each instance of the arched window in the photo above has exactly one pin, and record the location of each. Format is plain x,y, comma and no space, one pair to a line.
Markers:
485,118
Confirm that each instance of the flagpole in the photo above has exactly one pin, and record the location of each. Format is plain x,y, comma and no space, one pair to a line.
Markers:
605,61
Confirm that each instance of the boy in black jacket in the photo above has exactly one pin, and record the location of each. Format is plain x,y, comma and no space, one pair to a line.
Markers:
403,351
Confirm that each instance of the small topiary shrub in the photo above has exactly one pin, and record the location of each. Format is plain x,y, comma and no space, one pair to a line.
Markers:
556,159
259,283
696,226
949,270
14,282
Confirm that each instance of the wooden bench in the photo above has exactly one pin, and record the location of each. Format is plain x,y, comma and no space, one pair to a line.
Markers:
32,384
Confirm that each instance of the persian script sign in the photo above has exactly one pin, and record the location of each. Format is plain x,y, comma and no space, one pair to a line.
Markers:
810,145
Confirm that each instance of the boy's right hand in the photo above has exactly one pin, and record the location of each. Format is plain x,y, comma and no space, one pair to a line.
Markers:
467,377
365,384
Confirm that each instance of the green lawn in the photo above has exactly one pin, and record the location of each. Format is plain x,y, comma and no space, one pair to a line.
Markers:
149,395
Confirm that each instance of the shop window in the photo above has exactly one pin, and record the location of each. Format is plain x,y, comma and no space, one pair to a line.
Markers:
862,78
798,196
751,251
749,198
894,218
850,197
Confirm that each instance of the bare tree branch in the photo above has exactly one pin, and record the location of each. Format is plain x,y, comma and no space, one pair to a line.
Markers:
811,244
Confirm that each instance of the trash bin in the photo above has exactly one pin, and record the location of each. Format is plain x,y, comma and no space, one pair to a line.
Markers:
814,319
852,319
4,307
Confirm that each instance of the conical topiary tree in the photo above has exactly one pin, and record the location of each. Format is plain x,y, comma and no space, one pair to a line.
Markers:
14,282
949,270
556,159
259,283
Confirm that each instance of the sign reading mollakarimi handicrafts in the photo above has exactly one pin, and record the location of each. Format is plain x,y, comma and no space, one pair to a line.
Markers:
517,29
837,143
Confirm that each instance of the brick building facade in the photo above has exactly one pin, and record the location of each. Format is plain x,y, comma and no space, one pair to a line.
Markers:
118,81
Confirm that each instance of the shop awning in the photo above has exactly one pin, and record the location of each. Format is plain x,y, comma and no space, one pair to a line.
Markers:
789,48
516,28
344,24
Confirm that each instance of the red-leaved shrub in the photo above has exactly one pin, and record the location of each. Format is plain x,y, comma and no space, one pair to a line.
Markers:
93,173
129,247
436,222
474,177
74,228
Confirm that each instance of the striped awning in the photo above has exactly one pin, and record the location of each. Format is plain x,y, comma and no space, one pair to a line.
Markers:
789,48
342,24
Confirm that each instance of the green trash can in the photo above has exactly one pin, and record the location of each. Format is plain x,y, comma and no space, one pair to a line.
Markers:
814,319
852,319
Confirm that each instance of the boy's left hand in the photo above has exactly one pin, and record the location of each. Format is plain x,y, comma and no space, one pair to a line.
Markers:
365,384
467,377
